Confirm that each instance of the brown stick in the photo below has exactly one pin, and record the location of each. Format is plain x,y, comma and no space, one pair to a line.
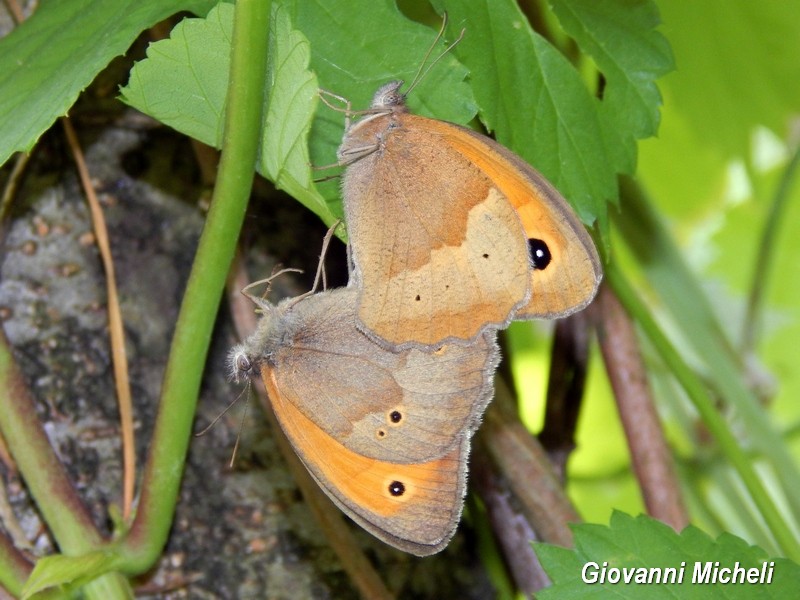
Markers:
511,528
652,461
566,382
524,465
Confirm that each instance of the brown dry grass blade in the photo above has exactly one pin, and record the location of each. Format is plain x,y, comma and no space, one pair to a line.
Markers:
117,334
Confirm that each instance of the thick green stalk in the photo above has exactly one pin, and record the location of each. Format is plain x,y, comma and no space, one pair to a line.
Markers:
215,252
61,507
14,566
45,475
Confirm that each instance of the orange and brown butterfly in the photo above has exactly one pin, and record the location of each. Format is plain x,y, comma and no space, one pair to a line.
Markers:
452,233
385,434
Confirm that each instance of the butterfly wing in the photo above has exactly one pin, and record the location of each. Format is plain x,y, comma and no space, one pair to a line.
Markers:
415,507
566,268
404,407
439,253
386,435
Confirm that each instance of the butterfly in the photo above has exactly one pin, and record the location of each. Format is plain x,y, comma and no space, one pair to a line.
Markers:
385,434
451,233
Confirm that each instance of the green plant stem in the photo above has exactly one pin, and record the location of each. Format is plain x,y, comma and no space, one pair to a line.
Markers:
45,476
766,252
14,567
735,498
699,396
666,269
703,514
215,252
678,288
109,586
61,507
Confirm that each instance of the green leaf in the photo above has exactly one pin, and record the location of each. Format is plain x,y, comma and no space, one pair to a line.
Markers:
184,81
737,68
70,571
51,57
535,102
354,57
641,544
562,135
736,72
631,55
292,101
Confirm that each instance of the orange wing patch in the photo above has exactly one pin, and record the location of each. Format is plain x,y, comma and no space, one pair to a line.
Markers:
381,488
565,278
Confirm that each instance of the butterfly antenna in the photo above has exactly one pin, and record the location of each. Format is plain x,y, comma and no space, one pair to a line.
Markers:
222,414
239,434
422,74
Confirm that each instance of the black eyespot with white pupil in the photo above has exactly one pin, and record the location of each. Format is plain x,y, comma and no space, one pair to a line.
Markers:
540,254
397,488
395,416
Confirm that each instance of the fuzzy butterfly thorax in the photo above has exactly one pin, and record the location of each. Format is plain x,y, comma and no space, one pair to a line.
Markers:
365,135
